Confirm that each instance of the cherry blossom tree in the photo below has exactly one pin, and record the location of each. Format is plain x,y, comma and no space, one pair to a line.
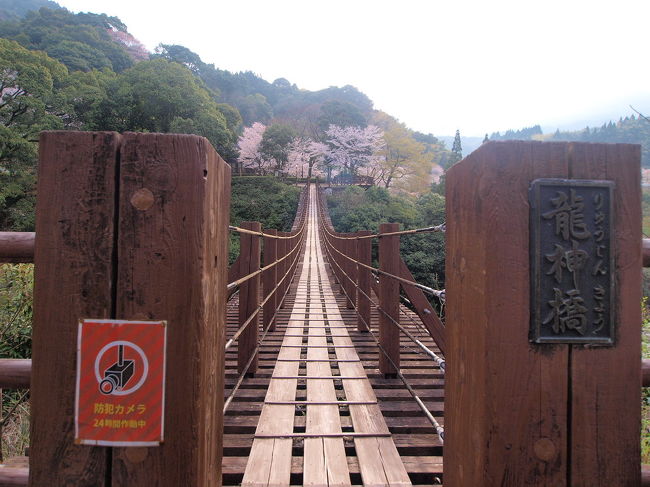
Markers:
351,148
249,148
305,153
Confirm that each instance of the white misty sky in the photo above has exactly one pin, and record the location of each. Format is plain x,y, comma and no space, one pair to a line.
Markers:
479,66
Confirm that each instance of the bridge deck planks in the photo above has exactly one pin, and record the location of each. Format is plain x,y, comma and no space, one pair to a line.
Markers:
342,461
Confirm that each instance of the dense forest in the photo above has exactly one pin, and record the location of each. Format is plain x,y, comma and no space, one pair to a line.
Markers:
65,71
629,130
354,209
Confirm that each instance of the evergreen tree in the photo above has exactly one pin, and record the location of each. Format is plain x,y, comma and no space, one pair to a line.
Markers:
456,147
486,138
456,151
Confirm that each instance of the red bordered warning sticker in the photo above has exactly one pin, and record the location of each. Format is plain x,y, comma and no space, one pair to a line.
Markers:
120,398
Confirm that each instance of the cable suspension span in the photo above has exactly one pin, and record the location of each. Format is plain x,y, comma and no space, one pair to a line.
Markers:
433,292
242,280
427,350
437,426
247,366
442,228
252,316
262,234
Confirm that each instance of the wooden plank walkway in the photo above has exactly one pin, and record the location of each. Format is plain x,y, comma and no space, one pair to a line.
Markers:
314,428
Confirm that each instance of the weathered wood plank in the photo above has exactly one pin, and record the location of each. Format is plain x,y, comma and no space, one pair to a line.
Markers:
15,373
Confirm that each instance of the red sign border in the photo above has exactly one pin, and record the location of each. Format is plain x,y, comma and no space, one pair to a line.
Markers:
79,441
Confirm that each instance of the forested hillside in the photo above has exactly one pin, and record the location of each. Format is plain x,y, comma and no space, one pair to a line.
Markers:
354,209
65,71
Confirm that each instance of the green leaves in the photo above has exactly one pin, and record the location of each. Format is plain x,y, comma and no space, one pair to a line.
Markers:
16,288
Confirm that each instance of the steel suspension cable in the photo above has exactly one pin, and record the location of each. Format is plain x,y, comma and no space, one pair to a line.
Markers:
241,280
252,316
439,429
242,376
433,292
427,350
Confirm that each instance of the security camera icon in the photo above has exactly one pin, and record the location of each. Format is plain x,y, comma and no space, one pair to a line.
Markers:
118,374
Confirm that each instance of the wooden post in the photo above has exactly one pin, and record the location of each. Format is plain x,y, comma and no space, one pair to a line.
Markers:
389,259
75,277
519,413
351,270
270,279
249,297
173,249
130,227
364,256
283,267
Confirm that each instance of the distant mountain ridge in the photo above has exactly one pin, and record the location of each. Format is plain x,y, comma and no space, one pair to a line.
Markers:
628,130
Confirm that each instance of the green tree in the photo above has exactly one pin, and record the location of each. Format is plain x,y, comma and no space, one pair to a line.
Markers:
80,41
340,113
456,151
276,143
163,96
28,85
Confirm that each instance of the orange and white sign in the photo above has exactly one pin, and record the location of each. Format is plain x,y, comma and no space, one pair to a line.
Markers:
120,398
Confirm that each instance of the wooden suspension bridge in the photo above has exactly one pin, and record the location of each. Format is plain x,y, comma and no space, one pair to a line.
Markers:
305,365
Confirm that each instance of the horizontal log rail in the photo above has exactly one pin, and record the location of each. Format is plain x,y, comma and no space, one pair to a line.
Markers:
13,476
15,373
645,372
17,247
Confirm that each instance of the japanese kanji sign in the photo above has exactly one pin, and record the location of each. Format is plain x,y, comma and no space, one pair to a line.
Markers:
120,382
572,261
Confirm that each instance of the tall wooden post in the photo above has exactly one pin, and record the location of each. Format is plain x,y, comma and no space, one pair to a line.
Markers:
351,270
364,256
540,414
283,267
389,260
131,227
270,279
249,297
74,261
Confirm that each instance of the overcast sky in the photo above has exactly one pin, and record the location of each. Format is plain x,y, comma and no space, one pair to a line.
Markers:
476,65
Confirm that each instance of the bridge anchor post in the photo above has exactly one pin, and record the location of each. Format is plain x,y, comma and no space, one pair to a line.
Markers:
519,412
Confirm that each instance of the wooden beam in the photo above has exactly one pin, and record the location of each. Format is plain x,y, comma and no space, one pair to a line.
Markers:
270,280
519,413
389,334
423,308
364,278
15,373
13,476
249,297
17,247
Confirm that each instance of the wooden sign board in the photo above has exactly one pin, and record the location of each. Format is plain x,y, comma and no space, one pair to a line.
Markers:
572,261
120,383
